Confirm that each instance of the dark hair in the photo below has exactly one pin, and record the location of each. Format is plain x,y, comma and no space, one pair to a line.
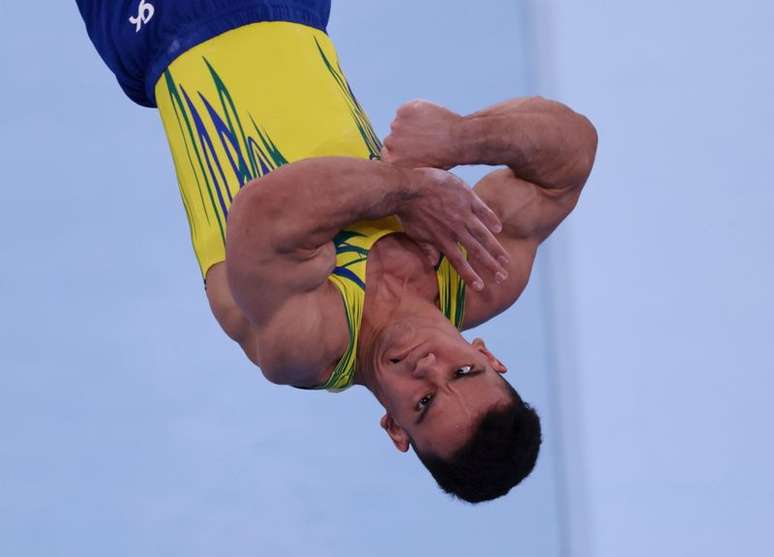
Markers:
501,452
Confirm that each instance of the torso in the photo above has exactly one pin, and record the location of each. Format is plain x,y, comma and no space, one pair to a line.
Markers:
396,261
367,289
395,265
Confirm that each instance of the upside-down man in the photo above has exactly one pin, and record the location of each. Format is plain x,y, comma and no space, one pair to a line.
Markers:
292,214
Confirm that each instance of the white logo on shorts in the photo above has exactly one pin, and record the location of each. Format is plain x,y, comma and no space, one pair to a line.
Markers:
144,15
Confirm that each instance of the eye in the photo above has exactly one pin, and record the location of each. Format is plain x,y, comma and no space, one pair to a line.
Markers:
464,370
423,402
394,360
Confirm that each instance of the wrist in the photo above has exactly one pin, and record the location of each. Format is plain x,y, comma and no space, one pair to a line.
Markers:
466,135
407,186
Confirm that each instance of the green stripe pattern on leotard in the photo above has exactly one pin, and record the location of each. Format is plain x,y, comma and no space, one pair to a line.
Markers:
349,276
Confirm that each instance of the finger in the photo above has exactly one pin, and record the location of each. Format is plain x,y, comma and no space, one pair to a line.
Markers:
432,254
483,259
460,263
487,215
491,245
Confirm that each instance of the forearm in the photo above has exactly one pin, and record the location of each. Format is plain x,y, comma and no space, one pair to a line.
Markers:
305,204
543,142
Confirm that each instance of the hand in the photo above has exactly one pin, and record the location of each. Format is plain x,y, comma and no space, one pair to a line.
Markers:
422,135
443,211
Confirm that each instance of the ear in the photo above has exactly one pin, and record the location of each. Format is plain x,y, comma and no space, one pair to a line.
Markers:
398,435
498,366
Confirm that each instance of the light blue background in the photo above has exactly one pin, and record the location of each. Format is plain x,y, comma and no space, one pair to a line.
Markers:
130,425
663,277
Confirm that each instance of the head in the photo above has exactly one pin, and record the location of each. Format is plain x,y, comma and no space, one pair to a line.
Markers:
447,399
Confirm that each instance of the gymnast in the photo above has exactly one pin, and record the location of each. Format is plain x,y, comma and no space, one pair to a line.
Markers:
295,205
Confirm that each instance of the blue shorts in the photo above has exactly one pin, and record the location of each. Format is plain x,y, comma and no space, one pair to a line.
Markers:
138,39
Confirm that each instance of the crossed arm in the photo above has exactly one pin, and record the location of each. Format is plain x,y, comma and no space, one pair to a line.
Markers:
279,251
548,151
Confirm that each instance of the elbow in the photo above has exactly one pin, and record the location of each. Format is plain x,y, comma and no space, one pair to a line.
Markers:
241,218
573,138
588,139
580,136
579,139
264,200
247,213
249,233
247,253
582,133
240,242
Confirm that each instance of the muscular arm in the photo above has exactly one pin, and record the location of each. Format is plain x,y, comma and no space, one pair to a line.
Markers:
548,147
548,150
279,255
543,141
279,252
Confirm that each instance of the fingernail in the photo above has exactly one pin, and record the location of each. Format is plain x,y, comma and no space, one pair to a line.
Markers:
498,228
478,285
503,260
500,277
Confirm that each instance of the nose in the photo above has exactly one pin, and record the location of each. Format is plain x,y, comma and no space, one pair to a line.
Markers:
426,366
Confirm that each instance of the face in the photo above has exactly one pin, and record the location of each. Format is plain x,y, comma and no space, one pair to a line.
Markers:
435,385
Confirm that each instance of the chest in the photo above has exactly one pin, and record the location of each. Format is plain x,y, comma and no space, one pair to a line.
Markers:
397,264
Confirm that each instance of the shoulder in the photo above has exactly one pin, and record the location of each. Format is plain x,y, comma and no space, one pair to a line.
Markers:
291,347
304,339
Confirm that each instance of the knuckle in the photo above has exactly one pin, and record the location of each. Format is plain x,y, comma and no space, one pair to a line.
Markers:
412,105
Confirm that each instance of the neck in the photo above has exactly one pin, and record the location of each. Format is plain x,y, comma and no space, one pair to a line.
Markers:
401,287
377,332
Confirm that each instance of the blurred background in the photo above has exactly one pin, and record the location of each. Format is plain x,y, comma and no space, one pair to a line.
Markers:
130,425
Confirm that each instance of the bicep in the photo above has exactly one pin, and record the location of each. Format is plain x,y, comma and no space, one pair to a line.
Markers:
298,345
304,339
298,340
297,329
527,211
496,298
294,311
528,214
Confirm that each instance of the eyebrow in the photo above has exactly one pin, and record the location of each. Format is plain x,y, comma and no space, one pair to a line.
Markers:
421,417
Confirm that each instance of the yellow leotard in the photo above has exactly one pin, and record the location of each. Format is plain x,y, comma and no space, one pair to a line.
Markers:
241,104
252,99
349,276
